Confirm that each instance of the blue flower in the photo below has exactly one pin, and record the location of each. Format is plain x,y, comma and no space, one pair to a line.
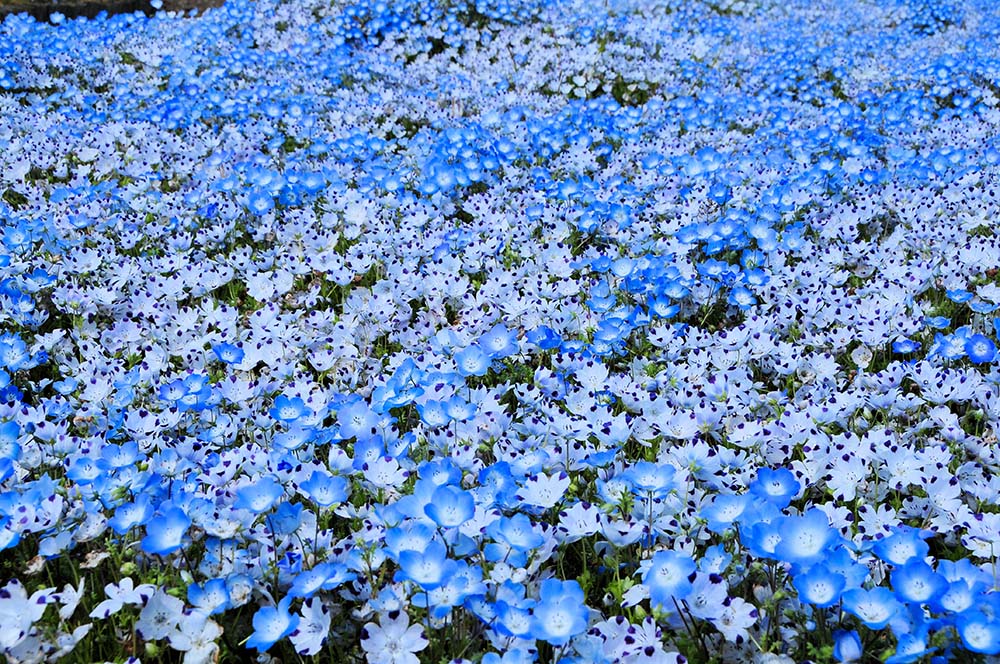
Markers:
271,624
979,633
724,510
260,202
561,612
499,342
165,533
917,582
228,353
513,537
259,496
874,608
212,597
450,506
324,489
650,478
429,568
544,337
434,413
980,349
805,538
289,409
472,361
846,646
669,578
819,586
777,486
130,515
902,545
10,449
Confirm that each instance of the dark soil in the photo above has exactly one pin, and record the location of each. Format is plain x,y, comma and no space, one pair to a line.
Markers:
41,11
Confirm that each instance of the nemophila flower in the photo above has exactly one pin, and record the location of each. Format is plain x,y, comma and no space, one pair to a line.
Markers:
271,624
122,594
434,413
499,342
761,538
472,361
440,601
669,578
165,532
561,612
212,597
286,518
84,470
459,409
428,568
160,616
917,582
910,648
294,438
651,478
513,537
289,409
874,607
544,337
14,354
357,420
115,457
259,496
543,490
742,298
228,353
778,486
313,628
367,450
957,597
324,489
240,588
9,447
384,473
196,636
309,582
958,295
130,515
450,506
260,202
735,619
905,346
847,646
903,545
979,632
805,538
724,510
579,520
819,586
980,349
393,640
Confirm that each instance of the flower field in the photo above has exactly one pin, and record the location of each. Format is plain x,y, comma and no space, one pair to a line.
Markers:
502,331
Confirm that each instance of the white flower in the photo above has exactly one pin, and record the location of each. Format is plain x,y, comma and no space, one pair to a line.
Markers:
313,627
737,615
393,641
120,595
160,616
196,636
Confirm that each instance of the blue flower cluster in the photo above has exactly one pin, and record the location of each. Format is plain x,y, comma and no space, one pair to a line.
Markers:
502,331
